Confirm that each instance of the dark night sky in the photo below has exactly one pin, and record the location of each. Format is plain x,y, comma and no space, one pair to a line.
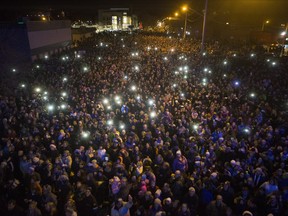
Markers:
235,11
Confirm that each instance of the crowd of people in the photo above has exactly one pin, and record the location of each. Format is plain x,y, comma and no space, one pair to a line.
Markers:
135,124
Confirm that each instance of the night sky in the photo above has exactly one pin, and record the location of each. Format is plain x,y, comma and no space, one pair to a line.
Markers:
235,11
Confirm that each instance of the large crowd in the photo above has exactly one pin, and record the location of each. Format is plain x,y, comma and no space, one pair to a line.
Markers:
137,124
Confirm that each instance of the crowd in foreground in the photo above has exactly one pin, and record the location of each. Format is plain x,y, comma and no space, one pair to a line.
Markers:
135,124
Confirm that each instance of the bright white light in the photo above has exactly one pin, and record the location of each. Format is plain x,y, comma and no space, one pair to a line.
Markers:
133,88
176,72
109,107
234,55
14,70
246,130
252,55
174,85
138,97
268,60
204,54
165,58
136,54
85,134
78,56
153,114
63,58
50,107
46,57
99,58
64,79
136,68
45,93
122,126
63,106
101,44
224,75
273,63
195,126
64,94
117,98
180,68
125,77
37,66
38,89
156,48
204,80
123,46
182,95
110,122
148,48
172,50
225,62
185,67
85,69
105,101
150,102
185,77
283,33
205,69
45,98
23,85
252,95
236,83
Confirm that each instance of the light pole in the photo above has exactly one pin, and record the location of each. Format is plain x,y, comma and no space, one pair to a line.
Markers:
284,33
185,24
263,24
204,26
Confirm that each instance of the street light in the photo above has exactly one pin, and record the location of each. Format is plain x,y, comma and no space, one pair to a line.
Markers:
263,24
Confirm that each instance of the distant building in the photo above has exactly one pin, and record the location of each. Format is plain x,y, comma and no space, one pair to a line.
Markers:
117,19
30,40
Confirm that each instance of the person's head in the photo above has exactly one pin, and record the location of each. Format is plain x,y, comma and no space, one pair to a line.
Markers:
88,192
11,205
219,200
32,204
191,191
226,185
168,201
247,213
184,207
119,203
157,202
47,189
178,154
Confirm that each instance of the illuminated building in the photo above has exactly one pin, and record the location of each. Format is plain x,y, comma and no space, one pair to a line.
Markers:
117,19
